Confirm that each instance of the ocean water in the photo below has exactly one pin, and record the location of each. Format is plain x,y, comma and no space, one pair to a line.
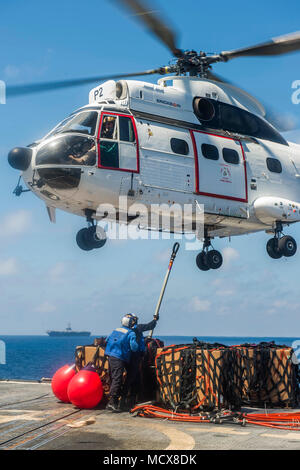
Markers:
34,357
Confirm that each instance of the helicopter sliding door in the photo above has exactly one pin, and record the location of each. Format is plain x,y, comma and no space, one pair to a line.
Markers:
220,167
118,143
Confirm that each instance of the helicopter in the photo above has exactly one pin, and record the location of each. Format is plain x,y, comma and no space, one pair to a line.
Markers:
192,138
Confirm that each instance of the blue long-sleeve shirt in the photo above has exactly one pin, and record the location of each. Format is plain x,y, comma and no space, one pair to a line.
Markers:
139,329
121,343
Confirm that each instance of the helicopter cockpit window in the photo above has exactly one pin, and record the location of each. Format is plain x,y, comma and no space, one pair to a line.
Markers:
82,123
126,129
68,150
109,128
117,145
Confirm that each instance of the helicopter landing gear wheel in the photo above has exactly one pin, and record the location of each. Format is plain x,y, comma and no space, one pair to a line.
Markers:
201,261
281,245
273,249
91,238
214,259
81,240
95,237
287,245
208,259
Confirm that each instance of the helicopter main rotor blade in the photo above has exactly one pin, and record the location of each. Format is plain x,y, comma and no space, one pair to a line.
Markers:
18,90
277,46
154,23
282,122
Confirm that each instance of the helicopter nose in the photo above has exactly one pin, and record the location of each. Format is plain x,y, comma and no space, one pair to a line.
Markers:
20,157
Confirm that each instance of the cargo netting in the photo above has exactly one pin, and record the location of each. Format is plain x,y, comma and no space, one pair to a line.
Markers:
202,376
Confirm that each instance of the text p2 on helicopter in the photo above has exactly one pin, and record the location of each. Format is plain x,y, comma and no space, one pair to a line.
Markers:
192,138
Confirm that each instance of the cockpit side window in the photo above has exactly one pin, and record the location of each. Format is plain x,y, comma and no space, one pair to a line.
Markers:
109,128
117,143
126,129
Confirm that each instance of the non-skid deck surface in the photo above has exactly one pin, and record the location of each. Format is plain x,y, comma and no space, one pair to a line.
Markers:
32,418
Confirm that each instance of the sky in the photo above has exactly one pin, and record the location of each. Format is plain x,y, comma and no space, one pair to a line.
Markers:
46,281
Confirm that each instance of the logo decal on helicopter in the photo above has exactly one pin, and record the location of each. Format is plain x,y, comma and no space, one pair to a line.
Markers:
169,103
225,174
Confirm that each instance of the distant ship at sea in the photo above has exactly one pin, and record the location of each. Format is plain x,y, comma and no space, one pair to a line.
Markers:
68,332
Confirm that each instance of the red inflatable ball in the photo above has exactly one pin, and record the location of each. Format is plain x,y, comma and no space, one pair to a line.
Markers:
85,389
60,382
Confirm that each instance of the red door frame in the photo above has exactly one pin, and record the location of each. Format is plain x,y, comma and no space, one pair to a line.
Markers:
219,196
109,113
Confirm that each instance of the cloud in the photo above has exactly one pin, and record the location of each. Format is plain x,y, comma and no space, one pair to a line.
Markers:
57,272
198,305
15,223
225,292
229,255
279,306
163,256
45,307
8,267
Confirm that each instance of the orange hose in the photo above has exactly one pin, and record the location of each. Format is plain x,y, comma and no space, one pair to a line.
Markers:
286,421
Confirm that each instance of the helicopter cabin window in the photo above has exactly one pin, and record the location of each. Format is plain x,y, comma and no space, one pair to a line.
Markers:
210,151
231,156
274,165
117,145
179,146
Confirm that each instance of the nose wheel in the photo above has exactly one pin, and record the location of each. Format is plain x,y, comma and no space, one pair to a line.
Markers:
91,237
208,259
281,245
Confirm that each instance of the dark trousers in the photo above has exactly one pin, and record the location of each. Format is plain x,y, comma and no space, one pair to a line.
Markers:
116,369
132,382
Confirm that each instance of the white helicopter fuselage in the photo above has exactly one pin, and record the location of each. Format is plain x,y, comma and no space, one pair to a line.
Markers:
245,183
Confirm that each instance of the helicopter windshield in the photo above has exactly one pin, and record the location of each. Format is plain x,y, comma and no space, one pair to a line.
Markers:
68,150
83,123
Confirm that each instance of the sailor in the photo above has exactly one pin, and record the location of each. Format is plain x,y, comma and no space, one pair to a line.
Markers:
108,127
119,347
132,382
87,156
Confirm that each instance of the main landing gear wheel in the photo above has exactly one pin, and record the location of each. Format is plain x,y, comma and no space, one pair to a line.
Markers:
201,261
287,245
273,249
90,238
208,259
214,259
281,245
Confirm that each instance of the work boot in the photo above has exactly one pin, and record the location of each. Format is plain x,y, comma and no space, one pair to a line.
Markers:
113,405
127,403
124,406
